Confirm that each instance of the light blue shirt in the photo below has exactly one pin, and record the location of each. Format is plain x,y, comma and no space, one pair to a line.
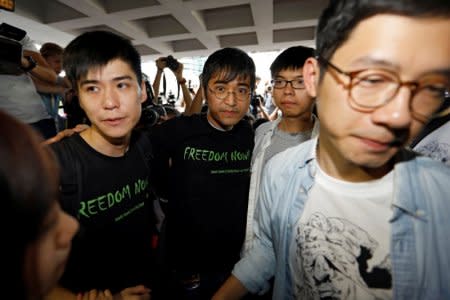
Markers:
420,225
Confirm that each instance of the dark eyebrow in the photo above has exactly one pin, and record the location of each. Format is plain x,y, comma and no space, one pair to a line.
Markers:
84,82
375,62
124,77
284,78
445,72
119,78
225,82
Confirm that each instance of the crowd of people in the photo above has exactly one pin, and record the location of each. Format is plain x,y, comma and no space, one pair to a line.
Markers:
312,191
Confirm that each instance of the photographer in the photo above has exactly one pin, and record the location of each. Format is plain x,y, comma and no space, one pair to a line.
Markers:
257,107
18,95
177,68
153,112
53,94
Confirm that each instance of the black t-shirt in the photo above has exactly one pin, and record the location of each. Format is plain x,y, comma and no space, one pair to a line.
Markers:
113,248
207,189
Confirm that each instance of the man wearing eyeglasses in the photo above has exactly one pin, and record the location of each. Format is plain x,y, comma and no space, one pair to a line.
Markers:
202,166
353,214
293,127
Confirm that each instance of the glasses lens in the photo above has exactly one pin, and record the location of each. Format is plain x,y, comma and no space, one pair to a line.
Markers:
298,84
426,104
371,88
220,93
241,93
279,83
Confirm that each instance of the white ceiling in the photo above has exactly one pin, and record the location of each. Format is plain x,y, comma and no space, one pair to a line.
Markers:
178,27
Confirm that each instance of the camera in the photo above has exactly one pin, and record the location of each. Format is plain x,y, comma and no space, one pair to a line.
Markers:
151,112
151,115
256,100
172,63
10,49
171,99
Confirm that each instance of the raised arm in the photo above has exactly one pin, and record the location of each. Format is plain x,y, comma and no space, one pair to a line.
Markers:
262,113
160,65
187,99
196,104
38,68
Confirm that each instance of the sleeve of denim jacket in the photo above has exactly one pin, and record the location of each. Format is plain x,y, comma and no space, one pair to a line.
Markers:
258,265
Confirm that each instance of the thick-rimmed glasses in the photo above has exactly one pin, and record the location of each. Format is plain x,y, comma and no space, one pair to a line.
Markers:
370,89
242,93
282,83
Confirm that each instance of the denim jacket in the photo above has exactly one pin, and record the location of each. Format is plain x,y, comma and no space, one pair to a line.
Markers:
420,225
263,139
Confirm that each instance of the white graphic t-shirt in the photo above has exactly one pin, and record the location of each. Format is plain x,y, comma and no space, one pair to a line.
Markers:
340,248
437,144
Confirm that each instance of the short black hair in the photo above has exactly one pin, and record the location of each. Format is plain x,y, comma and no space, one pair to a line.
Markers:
341,17
233,63
96,49
51,49
291,58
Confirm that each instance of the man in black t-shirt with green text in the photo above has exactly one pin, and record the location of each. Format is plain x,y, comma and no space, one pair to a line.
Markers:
203,170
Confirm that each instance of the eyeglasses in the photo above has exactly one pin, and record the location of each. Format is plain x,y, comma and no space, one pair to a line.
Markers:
372,88
282,83
242,93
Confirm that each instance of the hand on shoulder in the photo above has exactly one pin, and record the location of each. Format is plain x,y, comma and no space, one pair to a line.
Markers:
65,133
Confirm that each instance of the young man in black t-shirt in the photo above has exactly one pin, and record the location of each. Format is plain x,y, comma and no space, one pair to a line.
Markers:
202,164
105,183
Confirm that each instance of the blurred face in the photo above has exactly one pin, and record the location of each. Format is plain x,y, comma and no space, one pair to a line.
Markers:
45,259
357,145
227,112
292,102
111,97
55,62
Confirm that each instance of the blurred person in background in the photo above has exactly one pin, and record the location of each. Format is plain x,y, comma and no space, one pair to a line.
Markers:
37,232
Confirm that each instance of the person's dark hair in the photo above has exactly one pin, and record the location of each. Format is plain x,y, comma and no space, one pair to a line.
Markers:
341,17
291,58
95,49
28,188
231,63
50,49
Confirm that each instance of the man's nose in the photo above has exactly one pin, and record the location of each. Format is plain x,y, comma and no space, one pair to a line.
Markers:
396,113
230,99
111,99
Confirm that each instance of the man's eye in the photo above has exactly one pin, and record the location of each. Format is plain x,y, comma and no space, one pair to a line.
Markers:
373,80
219,89
437,91
243,91
279,82
91,89
122,85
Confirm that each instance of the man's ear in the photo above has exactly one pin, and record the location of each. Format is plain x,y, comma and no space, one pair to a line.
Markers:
143,91
311,73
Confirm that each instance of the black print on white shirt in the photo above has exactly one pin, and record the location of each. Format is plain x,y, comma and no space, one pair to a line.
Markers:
333,261
436,150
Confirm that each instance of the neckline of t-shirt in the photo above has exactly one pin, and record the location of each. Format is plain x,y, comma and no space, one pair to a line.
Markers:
372,187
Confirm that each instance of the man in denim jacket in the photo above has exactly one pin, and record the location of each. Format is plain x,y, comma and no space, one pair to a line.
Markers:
352,214
296,124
